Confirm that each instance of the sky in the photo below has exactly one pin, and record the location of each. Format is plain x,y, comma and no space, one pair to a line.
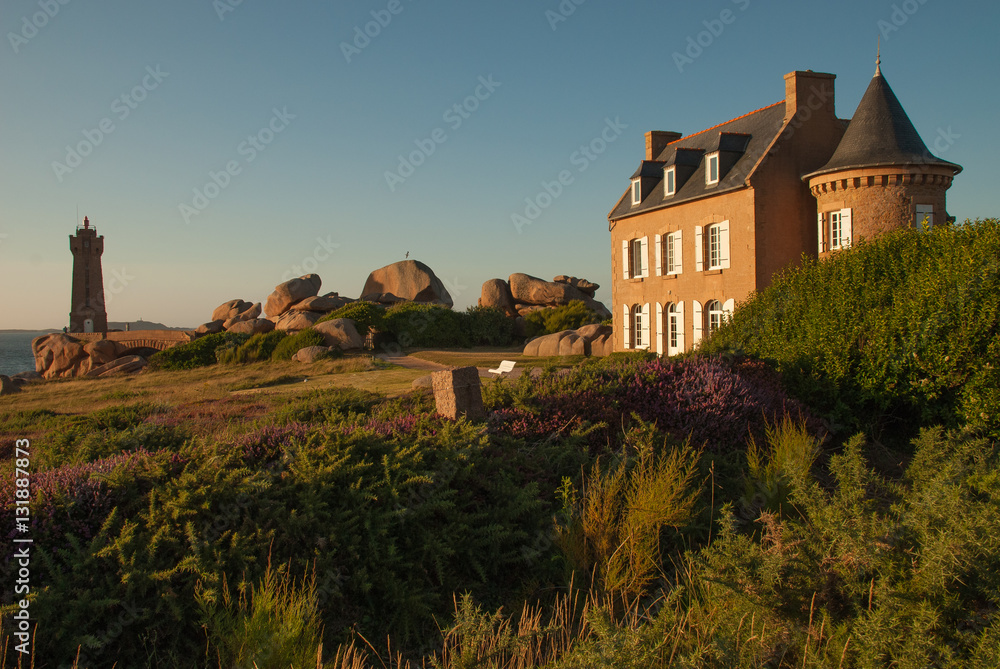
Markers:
224,146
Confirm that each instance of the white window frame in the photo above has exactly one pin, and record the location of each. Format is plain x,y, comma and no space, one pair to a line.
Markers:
711,161
673,252
669,181
636,192
715,316
921,212
627,326
640,326
837,225
717,246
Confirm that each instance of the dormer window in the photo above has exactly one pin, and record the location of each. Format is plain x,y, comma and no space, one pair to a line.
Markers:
712,169
636,192
669,181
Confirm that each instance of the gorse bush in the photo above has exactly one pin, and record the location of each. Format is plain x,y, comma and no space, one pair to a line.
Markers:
366,315
292,344
570,316
489,326
413,324
259,347
887,336
198,353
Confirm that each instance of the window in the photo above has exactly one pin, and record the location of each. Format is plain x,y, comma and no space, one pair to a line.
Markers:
636,191
712,169
669,181
834,230
713,251
636,330
635,258
636,255
925,212
673,329
715,315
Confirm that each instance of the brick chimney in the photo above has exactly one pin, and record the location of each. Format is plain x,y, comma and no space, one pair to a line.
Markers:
657,140
812,91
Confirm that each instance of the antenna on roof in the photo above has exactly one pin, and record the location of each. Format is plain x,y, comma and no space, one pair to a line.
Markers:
878,58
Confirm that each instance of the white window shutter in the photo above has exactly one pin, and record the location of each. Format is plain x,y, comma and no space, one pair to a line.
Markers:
820,229
728,308
658,242
846,234
659,329
625,263
724,243
678,256
699,256
697,323
644,257
645,325
627,326
680,327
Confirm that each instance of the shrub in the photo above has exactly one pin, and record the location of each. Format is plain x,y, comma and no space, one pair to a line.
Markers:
887,336
366,315
292,344
258,348
198,353
570,316
489,326
430,325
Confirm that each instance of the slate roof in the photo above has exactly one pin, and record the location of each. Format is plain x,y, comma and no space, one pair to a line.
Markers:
754,131
880,133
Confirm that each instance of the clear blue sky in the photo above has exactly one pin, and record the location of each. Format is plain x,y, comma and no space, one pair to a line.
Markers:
221,76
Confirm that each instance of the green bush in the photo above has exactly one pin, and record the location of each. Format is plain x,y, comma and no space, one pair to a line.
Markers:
888,336
291,344
570,316
489,326
366,315
198,353
427,325
259,347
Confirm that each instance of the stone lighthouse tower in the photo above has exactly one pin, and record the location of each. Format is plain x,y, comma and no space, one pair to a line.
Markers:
87,313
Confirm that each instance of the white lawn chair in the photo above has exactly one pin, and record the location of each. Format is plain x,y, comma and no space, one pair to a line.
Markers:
505,366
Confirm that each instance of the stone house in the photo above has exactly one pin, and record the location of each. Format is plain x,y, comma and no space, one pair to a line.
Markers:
709,218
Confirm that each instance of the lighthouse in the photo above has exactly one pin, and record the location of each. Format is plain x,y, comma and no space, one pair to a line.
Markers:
87,311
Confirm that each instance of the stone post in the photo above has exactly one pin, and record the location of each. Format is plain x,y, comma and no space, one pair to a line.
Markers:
457,393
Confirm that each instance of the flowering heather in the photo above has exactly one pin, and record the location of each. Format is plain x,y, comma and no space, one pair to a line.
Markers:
70,499
265,444
714,402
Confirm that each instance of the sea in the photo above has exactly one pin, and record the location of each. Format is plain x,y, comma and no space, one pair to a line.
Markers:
15,352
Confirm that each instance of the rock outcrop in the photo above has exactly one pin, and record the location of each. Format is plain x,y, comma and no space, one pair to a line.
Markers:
341,333
212,327
59,356
311,354
250,313
256,326
496,293
406,281
288,293
588,340
323,304
229,309
126,365
522,294
293,321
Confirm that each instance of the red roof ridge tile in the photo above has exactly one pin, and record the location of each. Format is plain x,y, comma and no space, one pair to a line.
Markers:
718,125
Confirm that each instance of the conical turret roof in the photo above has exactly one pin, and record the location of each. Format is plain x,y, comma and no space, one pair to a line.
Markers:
880,133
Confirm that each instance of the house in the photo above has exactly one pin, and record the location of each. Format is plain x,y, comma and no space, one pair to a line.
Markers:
709,218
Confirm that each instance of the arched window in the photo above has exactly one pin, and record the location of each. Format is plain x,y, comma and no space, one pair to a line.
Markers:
673,328
715,315
637,328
